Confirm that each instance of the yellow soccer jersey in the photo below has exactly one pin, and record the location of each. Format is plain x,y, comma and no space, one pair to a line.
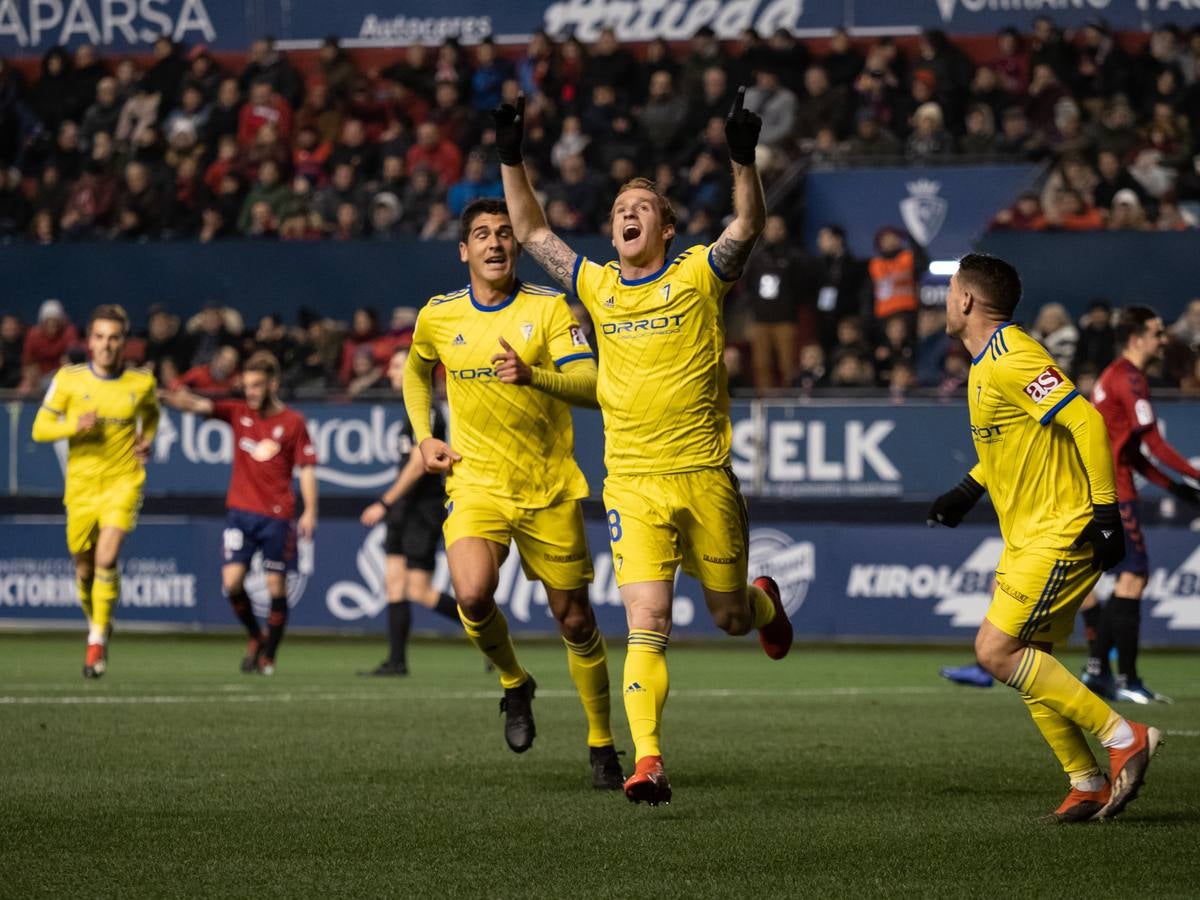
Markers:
515,441
662,385
125,406
1029,465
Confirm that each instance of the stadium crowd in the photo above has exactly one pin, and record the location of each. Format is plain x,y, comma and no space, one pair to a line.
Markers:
179,147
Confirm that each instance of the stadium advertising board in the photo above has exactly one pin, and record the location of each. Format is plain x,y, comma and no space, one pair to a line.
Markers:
945,208
838,581
780,449
32,26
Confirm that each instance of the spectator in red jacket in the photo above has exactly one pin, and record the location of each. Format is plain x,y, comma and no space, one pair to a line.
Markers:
218,378
45,344
264,106
436,153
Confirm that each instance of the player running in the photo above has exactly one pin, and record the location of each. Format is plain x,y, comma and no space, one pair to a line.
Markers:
108,415
1044,457
414,508
670,493
1122,394
512,472
270,442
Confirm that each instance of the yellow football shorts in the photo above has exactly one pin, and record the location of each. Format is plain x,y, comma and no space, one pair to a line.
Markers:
1038,593
551,540
697,519
113,505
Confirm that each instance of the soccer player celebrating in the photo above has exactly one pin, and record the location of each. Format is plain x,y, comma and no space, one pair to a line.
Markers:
515,360
670,493
414,508
1122,394
1044,457
108,415
270,442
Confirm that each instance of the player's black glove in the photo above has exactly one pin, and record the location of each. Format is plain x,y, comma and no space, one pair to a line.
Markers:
510,131
741,131
1106,536
1185,492
950,508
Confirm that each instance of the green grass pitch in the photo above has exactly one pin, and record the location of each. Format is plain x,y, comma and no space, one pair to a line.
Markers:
835,773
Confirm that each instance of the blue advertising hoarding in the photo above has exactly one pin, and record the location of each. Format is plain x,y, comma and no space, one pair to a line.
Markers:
32,26
945,208
841,450
845,582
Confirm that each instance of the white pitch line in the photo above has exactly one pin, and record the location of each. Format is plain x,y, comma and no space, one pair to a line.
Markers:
1183,733
335,696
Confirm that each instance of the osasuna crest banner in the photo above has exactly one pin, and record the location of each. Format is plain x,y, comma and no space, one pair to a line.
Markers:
944,208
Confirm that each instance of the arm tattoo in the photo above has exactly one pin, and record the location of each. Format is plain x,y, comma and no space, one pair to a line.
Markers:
556,258
730,255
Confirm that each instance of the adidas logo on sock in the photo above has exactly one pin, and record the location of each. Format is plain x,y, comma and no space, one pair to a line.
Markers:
634,688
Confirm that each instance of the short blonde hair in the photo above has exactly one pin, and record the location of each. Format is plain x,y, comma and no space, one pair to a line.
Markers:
665,209
110,312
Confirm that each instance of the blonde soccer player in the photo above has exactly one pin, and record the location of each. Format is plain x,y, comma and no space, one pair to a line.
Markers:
671,495
108,415
1044,457
515,361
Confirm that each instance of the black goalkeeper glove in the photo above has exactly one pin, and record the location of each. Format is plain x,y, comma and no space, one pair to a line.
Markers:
510,131
741,131
1185,492
950,508
1106,536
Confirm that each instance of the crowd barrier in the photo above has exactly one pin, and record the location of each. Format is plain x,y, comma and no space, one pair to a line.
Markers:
32,26
839,582
843,451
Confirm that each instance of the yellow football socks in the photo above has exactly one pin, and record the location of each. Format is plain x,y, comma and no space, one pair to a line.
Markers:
646,689
1045,680
84,588
1066,740
761,607
588,664
106,587
492,638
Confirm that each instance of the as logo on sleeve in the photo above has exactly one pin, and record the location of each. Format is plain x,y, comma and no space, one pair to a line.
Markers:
577,338
1043,386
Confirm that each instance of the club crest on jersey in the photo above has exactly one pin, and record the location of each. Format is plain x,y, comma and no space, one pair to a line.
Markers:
277,432
527,330
246,421
260,451
459,341
1043,386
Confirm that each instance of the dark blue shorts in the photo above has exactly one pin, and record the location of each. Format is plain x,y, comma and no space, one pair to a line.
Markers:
1136,562
247,532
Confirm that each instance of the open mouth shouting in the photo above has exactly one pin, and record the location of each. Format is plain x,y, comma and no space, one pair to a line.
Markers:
631,231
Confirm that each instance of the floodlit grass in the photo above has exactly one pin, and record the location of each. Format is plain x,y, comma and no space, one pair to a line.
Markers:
835,773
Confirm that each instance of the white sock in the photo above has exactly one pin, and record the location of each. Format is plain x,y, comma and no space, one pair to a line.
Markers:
97,635
1089,783
1121,737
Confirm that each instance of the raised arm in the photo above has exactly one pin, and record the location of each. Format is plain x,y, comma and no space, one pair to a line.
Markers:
528,218
186,401
732,249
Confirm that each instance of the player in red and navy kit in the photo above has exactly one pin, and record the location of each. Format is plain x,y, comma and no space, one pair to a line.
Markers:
270,443
1122,394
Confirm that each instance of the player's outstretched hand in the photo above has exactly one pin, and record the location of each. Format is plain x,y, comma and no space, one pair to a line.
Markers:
307,526
510,368
950,508
141,449
1185,492
438,456
86,422
373,514
741,131
510,131
1106,536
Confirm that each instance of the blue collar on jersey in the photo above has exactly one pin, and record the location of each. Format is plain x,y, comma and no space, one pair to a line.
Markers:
999,328
92,369
499,306
649,278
